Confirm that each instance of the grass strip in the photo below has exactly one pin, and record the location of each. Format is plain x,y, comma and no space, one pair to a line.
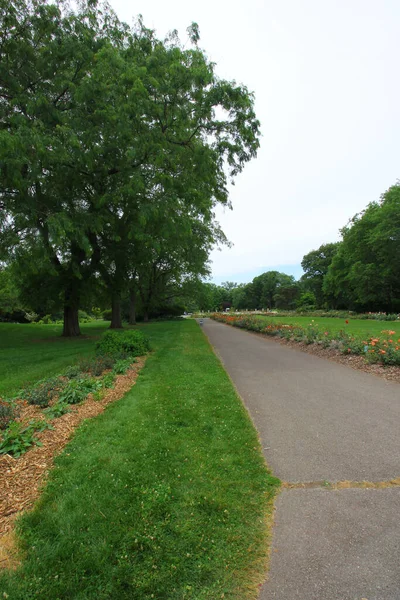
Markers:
165,495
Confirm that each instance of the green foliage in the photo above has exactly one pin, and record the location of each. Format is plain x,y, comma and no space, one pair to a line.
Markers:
78,389
122,366
43,392
17,439
108,380
131,341
146,497
307,301
7,414
57,410
96,365
74,370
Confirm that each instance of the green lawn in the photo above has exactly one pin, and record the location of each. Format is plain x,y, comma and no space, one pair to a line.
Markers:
165,495
356,326
31,352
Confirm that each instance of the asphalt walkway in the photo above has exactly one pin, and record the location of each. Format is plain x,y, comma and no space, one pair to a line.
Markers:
321,422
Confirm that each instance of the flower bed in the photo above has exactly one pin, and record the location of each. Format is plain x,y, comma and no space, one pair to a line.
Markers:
383,349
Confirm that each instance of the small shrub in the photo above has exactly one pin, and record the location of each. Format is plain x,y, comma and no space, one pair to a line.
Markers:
57,410
97,364
108,380
17,439
131,341
7,414
78,389
43,392
72,372
122,366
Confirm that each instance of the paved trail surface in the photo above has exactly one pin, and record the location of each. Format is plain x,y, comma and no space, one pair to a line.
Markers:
322,422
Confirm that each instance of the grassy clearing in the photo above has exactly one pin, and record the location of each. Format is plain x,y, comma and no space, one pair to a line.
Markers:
357,327
165,495
32,352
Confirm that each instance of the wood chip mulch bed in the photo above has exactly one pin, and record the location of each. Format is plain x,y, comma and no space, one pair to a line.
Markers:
21,479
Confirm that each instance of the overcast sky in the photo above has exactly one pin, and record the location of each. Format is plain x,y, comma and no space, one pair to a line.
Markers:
326,79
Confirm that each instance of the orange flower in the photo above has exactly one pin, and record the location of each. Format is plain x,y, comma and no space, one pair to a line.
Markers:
382,351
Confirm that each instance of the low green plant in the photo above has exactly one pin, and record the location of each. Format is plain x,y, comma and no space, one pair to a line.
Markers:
72,372
43,392
17,438
131,341
108,380
122,366
7,414
57,410
96,365
78,389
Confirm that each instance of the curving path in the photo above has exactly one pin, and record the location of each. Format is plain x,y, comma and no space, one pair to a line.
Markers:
322,422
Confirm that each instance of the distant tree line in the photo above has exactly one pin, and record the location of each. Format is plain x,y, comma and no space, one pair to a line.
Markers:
115,148
360,273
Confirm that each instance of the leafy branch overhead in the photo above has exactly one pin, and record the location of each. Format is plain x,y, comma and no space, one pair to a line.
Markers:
111,141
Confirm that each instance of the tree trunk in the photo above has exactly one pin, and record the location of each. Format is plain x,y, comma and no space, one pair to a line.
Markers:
116,321
132,307
71,320
146,315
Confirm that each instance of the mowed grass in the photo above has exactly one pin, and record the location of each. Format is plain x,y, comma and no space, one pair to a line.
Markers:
165,495
32,352
358,327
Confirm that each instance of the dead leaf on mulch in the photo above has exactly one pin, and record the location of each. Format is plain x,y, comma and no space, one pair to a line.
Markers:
21,479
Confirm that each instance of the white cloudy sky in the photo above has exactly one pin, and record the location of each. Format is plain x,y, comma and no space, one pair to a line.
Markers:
326,79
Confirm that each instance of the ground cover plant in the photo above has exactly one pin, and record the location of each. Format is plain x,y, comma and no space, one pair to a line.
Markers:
165,495
350,336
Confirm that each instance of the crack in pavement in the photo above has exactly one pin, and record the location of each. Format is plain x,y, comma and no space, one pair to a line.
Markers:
342,485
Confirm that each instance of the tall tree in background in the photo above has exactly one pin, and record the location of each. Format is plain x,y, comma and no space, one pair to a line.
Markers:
365,272
315,265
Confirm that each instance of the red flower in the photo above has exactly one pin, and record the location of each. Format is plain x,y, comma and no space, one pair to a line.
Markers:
347,322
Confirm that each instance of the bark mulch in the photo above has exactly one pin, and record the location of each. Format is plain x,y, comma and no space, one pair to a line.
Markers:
21,479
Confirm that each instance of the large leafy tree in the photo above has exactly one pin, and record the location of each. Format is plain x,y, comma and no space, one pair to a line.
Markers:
315,265
94,119
365,272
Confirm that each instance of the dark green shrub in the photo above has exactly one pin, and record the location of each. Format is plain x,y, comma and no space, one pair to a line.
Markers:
96,365
43,392
107,315
131,341
72,372
7,414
